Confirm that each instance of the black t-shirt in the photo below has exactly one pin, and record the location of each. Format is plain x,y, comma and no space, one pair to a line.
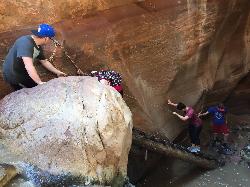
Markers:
14,71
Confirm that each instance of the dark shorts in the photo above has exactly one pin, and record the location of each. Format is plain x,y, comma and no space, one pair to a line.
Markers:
28,83
24,82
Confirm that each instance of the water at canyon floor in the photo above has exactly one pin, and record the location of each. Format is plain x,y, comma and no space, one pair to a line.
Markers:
235,172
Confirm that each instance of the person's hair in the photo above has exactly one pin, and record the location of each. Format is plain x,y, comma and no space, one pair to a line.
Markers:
221,105
39,36
180,106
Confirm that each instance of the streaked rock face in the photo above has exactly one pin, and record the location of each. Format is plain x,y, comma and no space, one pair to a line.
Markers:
69,126
163,48
49,11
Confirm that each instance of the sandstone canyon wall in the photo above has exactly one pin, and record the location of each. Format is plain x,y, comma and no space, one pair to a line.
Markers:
187,50
49,11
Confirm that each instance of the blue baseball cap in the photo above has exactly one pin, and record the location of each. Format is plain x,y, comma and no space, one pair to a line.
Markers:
44,30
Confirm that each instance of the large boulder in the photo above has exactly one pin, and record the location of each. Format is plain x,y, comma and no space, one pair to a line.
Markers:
71,126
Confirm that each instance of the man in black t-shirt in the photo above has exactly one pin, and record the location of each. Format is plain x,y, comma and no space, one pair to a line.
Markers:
18,67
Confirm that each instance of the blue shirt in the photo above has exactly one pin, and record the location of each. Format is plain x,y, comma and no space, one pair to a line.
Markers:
218,116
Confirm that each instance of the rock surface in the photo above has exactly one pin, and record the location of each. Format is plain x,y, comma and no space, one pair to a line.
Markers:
162,48
30,12
69,126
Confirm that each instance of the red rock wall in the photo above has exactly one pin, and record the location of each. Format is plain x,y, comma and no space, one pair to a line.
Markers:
19,13
163,48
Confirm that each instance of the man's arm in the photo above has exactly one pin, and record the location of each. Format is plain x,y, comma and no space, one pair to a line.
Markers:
104,81
183,118
171,103
203,114
51,68
29,66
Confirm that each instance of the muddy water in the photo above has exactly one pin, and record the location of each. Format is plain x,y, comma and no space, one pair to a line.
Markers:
235,172
185,174
230,175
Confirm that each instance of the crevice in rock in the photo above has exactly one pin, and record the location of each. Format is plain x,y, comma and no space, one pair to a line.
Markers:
84,145
99,134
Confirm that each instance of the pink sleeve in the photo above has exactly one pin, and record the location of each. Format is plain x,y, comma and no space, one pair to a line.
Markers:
190,113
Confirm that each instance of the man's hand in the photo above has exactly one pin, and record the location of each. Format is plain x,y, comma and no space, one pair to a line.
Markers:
202,114
79,72
174,113
169,102
52,69
41,82
104,81
61,74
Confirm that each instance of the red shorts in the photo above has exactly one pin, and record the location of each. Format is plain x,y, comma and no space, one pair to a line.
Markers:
220,129
118,88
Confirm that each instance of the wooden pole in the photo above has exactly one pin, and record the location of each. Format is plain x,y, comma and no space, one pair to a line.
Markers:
7,173
165,147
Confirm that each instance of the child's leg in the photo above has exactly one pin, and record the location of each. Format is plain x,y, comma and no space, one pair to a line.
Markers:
197,136
215,136
225,138
191,130
224,130
215,131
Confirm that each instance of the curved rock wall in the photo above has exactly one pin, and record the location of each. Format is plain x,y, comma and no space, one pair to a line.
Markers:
163,48
29,12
